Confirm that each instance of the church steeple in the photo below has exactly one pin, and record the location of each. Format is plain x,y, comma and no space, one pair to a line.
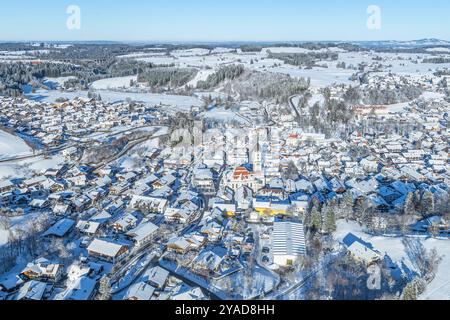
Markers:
257,157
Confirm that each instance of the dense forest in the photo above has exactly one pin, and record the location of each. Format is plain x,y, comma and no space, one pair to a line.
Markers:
167,76
261,86
305,59
225,73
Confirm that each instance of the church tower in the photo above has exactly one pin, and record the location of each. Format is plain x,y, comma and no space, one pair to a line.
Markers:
257,158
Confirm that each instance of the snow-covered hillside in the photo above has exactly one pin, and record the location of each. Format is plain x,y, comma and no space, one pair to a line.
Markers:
11,146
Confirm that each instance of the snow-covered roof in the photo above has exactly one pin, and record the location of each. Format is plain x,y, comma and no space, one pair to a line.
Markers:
142,231
187,293
60,228
79,290
32,290
288,238
89,227
139,291
363,252
105,248
156,276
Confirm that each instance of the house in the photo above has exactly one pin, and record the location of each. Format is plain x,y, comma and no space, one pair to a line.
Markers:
148,205
61,209
81,203
156,277
300,202
203,180
229,209
107,250
32,290
80,289
288,242
127,177
389,194
208,261
61,228
125,223
39,203
433,224
213,230
361,250
142,234
88,227
304,186
140,291
167,181
177,215
186,293
32,182
43,270
179,245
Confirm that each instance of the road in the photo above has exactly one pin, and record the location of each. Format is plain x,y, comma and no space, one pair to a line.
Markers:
257,256
292,104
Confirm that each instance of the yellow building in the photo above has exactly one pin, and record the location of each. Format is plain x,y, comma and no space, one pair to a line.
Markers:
265,207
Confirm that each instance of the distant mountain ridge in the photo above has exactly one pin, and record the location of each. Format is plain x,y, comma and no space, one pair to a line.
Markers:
428,42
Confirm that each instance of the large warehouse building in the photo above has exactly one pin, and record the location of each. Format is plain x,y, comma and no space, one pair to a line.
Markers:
288,242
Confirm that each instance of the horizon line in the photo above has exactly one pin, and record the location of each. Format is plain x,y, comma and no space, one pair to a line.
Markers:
215,41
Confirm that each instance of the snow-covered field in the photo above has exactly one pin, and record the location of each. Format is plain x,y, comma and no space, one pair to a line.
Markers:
320,76
113,83
202,75
439,288
56,83
443,49
11,146
223,115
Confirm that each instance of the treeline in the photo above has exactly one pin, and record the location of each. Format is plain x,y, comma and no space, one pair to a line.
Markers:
308,46
305,59
89,52
436,60
225,73
171,77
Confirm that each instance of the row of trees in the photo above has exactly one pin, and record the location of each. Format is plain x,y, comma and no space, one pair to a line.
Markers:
305,59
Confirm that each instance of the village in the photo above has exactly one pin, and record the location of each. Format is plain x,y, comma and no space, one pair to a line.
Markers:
126,212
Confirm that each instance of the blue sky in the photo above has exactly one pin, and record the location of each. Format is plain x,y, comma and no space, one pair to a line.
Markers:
230,20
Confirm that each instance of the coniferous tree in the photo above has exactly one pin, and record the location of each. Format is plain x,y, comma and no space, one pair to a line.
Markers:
316,219
330,220
104,291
